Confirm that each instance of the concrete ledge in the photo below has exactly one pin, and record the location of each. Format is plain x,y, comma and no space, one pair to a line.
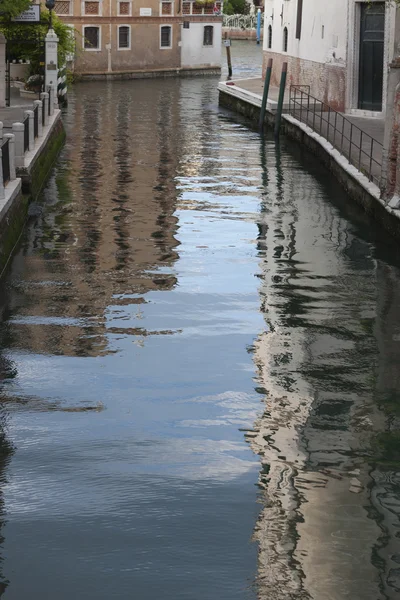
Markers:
13,214
156,73
39,161
362,191
234,89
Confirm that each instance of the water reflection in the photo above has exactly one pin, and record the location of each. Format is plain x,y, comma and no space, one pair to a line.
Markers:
329,528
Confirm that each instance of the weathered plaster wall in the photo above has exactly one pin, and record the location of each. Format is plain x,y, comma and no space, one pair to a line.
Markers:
194,53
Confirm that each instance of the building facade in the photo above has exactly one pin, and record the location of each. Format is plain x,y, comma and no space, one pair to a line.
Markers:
136,37
341,49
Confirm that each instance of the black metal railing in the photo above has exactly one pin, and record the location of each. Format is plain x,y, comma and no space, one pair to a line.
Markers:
26,134
361,150
43,112
36,121
5,161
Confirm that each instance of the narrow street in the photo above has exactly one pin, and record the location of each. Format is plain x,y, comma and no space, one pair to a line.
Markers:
200,348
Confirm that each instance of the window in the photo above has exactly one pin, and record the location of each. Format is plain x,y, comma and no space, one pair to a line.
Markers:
165,36
166,9
92,8
91,37
299,18
269,36
208,37
124,37
124,8
285,39
63,8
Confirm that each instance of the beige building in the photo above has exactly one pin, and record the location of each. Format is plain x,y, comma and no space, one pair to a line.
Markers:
132,38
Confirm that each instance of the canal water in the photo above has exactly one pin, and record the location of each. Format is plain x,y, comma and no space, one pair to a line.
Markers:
200,345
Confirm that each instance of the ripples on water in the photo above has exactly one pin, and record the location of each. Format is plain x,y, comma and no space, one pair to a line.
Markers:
185,289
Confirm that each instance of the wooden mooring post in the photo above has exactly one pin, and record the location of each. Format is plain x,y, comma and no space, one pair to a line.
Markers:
228,55
265,94
282,86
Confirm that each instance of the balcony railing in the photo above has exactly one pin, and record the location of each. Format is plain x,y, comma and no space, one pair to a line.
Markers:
242,21
193,8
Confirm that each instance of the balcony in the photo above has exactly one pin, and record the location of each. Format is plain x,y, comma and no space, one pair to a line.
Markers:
198,9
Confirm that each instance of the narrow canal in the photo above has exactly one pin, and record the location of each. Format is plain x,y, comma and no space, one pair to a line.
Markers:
200,383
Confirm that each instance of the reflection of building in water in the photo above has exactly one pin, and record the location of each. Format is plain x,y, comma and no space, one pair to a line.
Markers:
106,235
319,532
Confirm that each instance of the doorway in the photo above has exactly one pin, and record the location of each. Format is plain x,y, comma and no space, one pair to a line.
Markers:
372,35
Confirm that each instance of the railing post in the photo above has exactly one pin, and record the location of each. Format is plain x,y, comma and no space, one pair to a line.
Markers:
351,138
18,131
39,104
44,96
2,190
29,113
1,130
51,101
11,154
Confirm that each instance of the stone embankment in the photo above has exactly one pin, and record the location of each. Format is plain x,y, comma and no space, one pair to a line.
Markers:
361,178
30,141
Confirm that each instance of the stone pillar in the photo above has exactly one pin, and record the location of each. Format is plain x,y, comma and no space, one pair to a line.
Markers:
2,71
51,67
44,96
29,114
1,130
11,149
39,104
2,190
18,131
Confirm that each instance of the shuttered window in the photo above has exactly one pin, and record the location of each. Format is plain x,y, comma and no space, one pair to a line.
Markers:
92,38
165,36
124,37
208,37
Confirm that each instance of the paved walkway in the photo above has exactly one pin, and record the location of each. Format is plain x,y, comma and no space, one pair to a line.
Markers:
15,112
360,139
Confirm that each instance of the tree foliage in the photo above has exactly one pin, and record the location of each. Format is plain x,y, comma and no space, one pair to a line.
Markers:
237,7
13,8
37,31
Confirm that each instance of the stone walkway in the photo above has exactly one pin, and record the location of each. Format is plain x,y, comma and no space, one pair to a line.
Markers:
359,139
15,112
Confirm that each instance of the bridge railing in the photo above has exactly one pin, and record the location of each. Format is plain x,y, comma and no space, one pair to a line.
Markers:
241,21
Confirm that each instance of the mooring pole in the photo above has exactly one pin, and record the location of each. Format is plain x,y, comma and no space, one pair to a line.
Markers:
278,117
228,55
258,25
265,94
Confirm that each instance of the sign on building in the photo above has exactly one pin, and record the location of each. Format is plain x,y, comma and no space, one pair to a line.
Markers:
31,15
145,12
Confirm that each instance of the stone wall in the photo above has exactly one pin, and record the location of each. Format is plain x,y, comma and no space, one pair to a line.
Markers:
327,81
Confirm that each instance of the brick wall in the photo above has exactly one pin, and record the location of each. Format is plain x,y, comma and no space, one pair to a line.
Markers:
327,81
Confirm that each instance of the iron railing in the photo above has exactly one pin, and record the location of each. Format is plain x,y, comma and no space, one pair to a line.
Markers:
361,150
26,134
36,121
43,113
5,161
242,21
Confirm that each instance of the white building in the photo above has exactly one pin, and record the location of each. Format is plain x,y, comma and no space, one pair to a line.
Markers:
340,48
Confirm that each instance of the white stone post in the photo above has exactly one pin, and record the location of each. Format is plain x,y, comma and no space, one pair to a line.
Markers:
2,190
44,96
29,113
51,66
11,153
39,104
2,71
18,131
51,101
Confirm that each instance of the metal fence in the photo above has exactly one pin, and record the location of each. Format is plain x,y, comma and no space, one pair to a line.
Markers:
361,150
5,160
26,134
242,21
36,121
